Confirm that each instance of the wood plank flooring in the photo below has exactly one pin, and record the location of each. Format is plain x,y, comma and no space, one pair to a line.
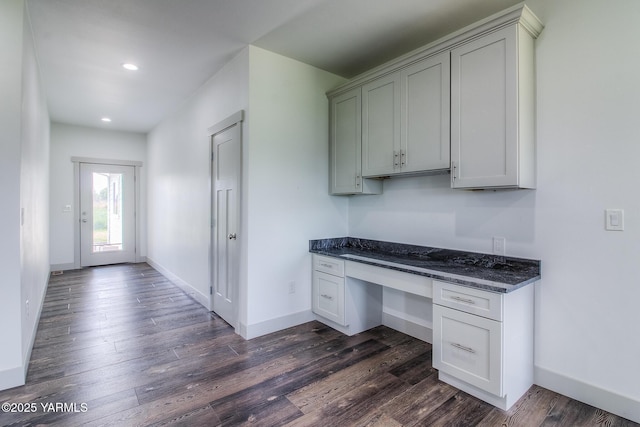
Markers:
122,346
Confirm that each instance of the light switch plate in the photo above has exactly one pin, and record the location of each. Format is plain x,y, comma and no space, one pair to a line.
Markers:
614,219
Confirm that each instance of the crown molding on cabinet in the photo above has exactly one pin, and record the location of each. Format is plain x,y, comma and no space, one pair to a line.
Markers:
519,13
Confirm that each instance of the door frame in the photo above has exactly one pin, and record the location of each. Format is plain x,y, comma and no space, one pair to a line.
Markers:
235,119
76,202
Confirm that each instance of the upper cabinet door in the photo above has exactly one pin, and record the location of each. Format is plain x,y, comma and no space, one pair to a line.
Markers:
381,126
345,146
491,136
345,143
405,117
425,112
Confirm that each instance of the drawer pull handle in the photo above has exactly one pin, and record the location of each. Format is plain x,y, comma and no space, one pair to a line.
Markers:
326,265
330,298
465,300
462,347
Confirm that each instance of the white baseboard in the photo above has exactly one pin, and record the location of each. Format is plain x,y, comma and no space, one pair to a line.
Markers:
499,402
63,267
274,325
72,266
10,378
610,401
408,327
27,356
186,287
17,376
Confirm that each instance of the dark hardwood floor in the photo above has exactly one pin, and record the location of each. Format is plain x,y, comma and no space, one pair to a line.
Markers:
121,345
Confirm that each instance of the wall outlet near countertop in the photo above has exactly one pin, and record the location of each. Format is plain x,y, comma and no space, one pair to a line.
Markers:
292,287
499,245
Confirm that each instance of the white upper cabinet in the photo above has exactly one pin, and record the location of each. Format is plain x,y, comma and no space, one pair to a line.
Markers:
381,126
424,135
465,102
405,118
492,111
345,146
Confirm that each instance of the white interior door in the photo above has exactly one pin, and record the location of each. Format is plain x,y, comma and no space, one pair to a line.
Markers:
226,174
107,214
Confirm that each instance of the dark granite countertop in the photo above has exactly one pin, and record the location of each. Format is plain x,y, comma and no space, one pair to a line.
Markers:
483,271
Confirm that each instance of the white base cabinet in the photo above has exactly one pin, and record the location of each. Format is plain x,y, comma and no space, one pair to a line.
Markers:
346,304
483,341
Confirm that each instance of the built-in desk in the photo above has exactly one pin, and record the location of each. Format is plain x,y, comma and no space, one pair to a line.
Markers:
482,319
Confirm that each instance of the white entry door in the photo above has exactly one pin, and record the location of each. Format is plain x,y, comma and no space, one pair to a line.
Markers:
226,174
107,214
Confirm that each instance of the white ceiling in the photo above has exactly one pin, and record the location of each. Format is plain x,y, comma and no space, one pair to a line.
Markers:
179,44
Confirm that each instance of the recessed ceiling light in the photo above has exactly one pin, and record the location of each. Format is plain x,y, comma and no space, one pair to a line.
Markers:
130,67
106,119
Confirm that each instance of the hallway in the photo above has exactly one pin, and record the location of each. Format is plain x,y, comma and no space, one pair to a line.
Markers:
121,345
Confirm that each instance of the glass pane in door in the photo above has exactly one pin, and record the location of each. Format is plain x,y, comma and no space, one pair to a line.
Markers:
107,212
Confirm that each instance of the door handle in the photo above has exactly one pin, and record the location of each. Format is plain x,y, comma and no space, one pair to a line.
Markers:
232,236
84,219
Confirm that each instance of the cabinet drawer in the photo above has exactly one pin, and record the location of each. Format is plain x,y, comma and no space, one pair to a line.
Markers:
328,265
328,297
468,347
475,301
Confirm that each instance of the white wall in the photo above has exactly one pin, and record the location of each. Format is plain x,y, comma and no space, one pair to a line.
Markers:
287,186
11,21
588,104
69,141
285,182
179,183
24,159
34,194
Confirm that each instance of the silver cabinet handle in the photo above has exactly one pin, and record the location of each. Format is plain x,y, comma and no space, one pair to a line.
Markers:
403,158
453,171
326,265
357,180
464,300
463,348
395,159
232,236
330,298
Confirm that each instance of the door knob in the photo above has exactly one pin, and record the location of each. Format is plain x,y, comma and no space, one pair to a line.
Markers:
232,236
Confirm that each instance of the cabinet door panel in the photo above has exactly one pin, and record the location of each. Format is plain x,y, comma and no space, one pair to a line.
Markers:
328,297
346,119
484,111
425,141
381,126
468,347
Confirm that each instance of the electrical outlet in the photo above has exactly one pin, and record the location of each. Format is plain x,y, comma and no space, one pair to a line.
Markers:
292,287
499,245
